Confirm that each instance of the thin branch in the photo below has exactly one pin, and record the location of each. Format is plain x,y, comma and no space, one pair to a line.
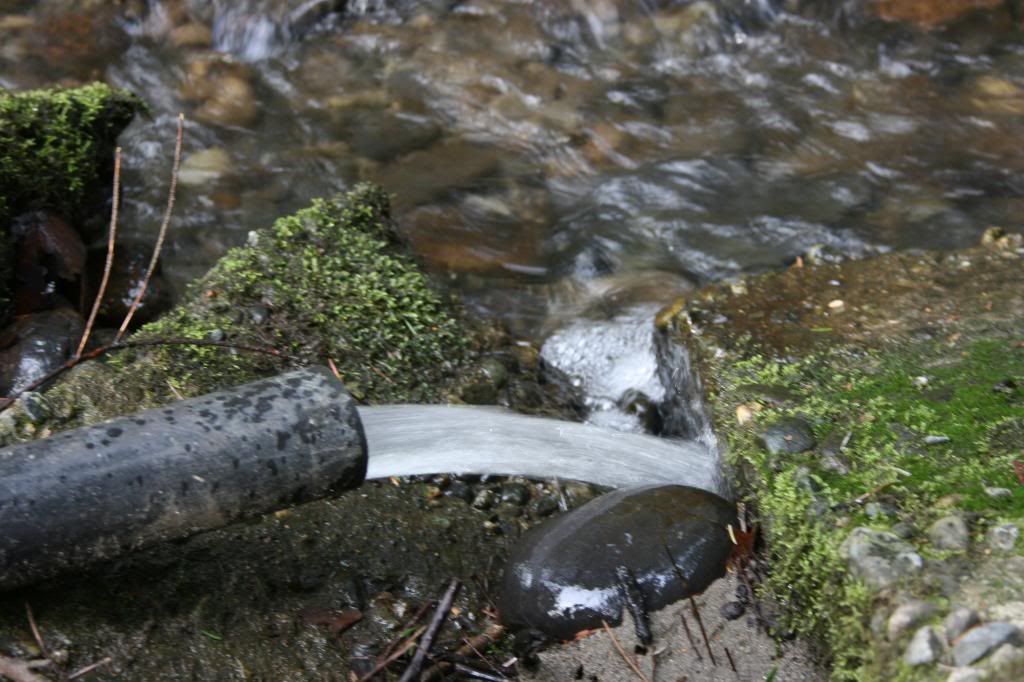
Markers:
443,607
703,632
406,645
140,343
689,636
163,231
89,668
618,647
112,237
35,631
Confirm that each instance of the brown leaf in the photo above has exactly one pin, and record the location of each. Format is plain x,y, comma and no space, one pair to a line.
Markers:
336,620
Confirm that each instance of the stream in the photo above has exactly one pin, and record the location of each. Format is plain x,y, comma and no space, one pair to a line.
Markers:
568,168
544,155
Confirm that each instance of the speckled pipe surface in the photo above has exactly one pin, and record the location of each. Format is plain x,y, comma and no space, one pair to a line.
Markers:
96,492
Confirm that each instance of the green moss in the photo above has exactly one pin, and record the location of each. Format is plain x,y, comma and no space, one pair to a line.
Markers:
330,285
56,151
880,406
57,144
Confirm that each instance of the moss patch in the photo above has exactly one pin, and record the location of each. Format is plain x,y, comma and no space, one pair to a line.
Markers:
325,283
885,412
56,145
56,152
909,370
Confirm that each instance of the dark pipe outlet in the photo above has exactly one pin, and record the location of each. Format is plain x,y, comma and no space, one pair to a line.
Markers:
96,492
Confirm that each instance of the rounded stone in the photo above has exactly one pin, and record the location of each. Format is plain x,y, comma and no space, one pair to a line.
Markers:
924,648
563,576
907,616
1003,538
949,532
959,621
788,435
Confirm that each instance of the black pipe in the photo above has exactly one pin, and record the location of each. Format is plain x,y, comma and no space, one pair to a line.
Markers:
96,492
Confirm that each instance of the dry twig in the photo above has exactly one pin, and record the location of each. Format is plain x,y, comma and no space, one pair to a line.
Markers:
703,632
443,607
163,231
111,239
398,653
626,657
89,668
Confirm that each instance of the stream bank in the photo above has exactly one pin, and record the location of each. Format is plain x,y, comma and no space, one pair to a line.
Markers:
873,413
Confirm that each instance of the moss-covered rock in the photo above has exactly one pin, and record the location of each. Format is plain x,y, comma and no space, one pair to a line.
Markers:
328,283
56,153
909,370
56,145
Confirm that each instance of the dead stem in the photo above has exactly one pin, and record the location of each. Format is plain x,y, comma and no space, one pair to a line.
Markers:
89,668
703,632
398,653
35,631
443,607
112,237
158,247
618,647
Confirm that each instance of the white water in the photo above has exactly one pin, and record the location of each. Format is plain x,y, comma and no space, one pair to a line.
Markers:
406,440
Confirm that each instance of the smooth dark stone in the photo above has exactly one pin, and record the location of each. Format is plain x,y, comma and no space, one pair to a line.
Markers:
562,576
732,610
787,435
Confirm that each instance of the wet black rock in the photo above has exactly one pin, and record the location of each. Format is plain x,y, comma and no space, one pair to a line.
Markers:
36,344
787,435
562,577
732,610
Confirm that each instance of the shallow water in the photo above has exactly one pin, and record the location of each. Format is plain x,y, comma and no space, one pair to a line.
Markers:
530,145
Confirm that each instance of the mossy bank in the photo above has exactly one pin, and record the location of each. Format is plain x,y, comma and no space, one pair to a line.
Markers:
867,409
56,153
328,283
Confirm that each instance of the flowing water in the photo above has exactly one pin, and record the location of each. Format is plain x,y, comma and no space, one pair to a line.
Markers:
405,440
566,165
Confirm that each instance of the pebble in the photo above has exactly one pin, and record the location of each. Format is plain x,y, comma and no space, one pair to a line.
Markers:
731,610
563,576
1003,538
907,616
949,532
204,167
984,639
959,621
879,558
789,435
924,648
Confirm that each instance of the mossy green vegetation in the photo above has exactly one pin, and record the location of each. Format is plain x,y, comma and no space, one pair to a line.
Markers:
57,144
886,417
56,152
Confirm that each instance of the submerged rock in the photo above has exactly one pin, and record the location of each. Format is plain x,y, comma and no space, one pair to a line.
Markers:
562,577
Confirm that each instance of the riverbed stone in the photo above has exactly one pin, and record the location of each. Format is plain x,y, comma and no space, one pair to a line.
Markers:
1006,662
907,616
787,436
1003,538
565,575
978,642
949,532
959,621
925,647
879,558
